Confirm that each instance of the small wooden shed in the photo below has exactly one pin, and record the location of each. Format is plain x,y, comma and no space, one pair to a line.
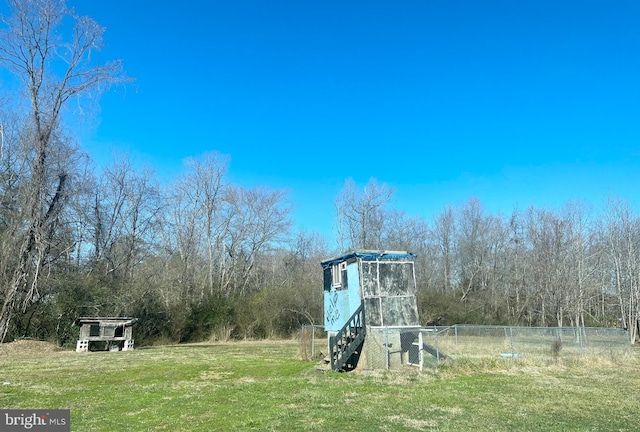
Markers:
117,330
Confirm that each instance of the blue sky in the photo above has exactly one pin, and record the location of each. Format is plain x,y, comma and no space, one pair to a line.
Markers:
516,103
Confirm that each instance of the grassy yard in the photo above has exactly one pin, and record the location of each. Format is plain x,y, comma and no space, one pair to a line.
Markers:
262,386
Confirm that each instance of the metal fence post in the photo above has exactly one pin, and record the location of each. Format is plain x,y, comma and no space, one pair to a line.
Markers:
386,347
435,330
511,341
420,350
456,333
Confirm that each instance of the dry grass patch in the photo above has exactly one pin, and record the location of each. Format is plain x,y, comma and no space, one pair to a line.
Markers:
28,348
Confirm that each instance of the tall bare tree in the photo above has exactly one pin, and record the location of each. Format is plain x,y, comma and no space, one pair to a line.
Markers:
360,216
53,69
517,252
473,247
444,236
258,220
623,241
197,218
583,265
123,216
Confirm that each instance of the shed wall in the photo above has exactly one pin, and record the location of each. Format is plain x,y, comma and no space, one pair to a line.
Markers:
389,293
341,302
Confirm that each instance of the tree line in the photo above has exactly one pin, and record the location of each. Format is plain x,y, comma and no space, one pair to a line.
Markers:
573,266
200,257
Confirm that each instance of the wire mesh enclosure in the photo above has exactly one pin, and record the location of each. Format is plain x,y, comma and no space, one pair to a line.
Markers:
389,348
537,343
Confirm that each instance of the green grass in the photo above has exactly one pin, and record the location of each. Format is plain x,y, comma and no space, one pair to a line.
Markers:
262,386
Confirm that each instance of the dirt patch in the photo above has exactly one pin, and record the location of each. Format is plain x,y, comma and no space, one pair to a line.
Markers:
27,348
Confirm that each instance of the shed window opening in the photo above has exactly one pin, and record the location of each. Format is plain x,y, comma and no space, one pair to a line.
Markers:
336,274
94,330
109,331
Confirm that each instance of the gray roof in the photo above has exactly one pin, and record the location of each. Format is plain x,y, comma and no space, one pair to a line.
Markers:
369,255
106,320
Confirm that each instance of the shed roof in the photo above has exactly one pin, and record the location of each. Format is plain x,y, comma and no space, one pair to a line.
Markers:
369,255
127,321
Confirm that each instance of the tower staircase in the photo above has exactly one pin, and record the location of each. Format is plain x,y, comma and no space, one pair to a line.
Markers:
346,345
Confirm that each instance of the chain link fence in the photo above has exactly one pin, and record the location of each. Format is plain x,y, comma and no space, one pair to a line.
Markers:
540,343
427,347
388,348
313,343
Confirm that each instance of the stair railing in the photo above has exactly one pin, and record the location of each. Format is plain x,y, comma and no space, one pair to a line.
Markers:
346,342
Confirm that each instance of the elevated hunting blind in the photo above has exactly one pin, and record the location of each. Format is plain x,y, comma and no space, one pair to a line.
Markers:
364,291
113,331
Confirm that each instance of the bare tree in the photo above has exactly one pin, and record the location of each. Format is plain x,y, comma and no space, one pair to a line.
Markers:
583,267
208,176
517,268
217,231
53,70
412,234
197,218
258,219
444,238
473,247
623,241
360,216
12,171
123,216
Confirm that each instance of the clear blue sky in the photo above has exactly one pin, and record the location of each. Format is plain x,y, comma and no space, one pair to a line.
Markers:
516,103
